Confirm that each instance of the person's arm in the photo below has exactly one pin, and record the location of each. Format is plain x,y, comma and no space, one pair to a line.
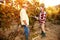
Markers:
39,16
36,17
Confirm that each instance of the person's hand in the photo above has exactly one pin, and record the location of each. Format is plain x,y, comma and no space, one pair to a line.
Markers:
25,22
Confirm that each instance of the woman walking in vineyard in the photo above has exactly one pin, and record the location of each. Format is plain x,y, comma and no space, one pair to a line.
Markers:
42,20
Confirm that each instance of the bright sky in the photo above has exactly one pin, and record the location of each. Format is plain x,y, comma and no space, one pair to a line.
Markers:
50,2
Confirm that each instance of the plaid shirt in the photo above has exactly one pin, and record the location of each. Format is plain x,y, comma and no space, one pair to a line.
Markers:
42,17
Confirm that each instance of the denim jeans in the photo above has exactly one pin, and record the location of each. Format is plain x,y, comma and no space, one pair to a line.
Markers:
26,32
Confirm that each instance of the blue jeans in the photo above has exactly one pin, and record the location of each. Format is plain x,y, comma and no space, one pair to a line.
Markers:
26,31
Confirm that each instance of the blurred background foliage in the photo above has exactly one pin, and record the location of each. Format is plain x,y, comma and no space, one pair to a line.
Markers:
9,13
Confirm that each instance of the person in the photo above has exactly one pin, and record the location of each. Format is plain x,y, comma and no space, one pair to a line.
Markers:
42,20
24,20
